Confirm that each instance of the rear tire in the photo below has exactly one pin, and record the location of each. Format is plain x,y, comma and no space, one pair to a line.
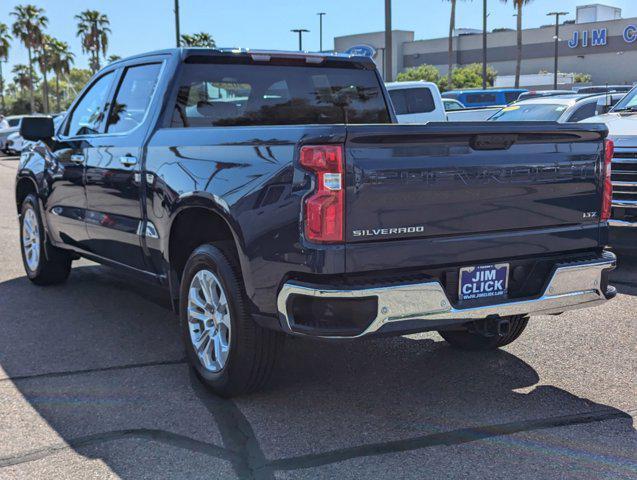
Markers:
43,265
466,340
230,353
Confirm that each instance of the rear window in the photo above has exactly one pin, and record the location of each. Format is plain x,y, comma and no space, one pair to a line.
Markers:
477,98
240,94
13,122
536,112
412,100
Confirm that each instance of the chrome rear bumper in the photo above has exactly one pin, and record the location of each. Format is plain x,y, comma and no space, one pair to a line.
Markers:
572,286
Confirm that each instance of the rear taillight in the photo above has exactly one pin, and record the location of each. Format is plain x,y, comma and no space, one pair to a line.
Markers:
607,196
324,207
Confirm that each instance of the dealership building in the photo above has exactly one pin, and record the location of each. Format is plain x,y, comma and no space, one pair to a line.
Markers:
599,42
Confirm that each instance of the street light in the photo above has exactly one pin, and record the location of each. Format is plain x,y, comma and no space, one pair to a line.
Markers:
177,29
300,31
320,14
557,43
484,44
388,42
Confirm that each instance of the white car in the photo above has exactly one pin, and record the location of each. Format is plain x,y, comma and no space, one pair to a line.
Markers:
14,126
416,102
14,144
561,108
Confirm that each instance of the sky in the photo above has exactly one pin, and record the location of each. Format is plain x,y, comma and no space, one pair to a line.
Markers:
143,25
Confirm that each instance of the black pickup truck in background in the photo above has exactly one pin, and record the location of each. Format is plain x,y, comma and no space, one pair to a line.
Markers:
272,193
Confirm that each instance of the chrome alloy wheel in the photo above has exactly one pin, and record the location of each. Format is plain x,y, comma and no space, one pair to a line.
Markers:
209,320
31,239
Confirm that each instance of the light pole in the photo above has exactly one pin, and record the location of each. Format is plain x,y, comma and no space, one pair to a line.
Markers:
320,14
177,29
388,42
557,43
300,31
484,45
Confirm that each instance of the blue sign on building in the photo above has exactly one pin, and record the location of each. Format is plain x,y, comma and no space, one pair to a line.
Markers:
361,51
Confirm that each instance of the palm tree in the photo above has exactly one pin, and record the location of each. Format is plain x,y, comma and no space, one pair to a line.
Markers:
4,55
452,28
201,39
518,4
44,60
22,77
29,23
93,29
61,60
113,58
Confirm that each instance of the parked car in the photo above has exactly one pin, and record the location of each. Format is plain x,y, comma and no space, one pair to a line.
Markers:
308,211
481,114
416,102
603,89
542,93
622,124
14,126
562,108
450,104
14,144
485,98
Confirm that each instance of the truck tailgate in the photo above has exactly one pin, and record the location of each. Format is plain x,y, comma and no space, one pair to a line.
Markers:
445,188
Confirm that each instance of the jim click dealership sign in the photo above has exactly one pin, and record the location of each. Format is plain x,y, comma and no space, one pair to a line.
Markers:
598,37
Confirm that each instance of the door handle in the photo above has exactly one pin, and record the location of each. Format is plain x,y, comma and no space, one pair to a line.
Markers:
77,158
128,161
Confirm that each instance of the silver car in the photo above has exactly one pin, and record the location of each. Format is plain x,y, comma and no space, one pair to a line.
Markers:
14,126
559,108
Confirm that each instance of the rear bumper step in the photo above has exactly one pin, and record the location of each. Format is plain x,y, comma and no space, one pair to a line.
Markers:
421,305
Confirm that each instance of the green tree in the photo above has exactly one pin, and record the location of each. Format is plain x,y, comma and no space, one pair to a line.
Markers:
93,29
518,4
28,27
113,58
427,73
201,39
61,60
470,76
4,55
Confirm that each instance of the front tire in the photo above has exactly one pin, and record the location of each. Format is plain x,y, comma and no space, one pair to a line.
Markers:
43,266
467,340
230,353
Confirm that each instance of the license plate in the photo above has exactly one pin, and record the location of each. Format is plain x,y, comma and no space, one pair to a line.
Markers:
484,281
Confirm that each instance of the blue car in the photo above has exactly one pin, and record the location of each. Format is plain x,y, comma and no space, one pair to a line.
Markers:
485,98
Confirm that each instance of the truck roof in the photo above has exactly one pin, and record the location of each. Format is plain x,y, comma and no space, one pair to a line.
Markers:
258,55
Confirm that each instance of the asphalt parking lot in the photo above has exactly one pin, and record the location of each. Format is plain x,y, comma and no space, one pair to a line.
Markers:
93,385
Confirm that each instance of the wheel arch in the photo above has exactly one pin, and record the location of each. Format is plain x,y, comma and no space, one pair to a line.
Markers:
208,221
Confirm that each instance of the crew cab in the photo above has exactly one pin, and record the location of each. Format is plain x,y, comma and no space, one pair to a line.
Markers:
273,194
416,102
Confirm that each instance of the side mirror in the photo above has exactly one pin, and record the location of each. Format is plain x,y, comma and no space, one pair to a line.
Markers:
603,105
37,128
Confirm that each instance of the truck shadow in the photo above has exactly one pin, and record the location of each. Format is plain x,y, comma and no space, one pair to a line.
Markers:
100,361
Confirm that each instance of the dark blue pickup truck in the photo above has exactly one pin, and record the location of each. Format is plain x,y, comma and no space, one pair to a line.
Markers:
272,193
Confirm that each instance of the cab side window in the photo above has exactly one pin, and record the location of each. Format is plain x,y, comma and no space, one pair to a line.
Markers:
133,98
89,112
585,111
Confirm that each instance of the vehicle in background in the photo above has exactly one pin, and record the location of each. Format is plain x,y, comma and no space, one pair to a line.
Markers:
621,121
485,98
542,93
451,105
472,114
603,89
273,193
14,126
14,144
416,102
563,109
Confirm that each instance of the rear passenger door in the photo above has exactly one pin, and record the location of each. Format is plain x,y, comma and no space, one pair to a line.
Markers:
114,171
